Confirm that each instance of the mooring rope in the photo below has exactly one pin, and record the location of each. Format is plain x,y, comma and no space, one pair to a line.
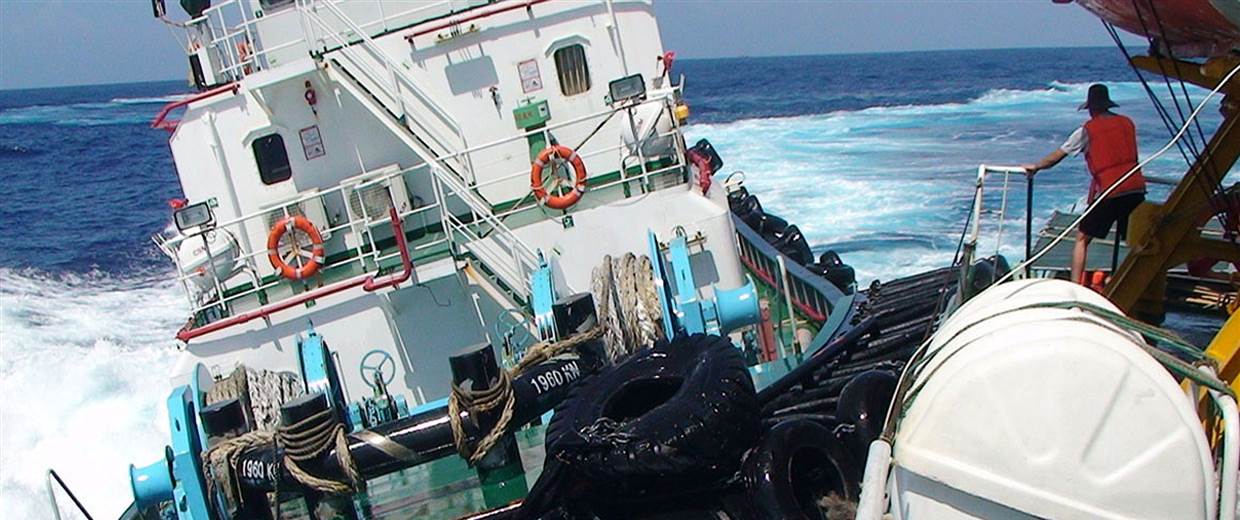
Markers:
300,442
627,303
500,394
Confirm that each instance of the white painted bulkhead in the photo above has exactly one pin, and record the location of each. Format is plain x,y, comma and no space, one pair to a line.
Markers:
472,73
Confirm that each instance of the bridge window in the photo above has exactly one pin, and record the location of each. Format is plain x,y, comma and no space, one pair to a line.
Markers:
570,66
272,159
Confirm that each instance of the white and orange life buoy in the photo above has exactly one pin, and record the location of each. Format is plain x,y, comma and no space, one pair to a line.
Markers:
567,200
308,262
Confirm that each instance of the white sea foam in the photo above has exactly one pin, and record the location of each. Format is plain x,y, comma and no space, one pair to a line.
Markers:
150,100
83,371
855,178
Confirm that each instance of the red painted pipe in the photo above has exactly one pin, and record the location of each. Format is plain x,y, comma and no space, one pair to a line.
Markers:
406,263
368,282
160,118
475,16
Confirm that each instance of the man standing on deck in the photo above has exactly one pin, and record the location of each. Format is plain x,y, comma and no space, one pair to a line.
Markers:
1109,141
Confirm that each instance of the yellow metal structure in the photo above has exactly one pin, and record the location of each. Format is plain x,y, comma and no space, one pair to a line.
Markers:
1162,236
1225,350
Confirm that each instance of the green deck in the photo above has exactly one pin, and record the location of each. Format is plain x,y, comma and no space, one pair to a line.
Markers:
445,489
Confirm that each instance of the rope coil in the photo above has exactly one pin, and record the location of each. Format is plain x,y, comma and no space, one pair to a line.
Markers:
626,303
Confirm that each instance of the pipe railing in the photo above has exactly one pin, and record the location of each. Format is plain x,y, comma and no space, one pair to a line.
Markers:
394,81
969,248
369,283
808,293
251,260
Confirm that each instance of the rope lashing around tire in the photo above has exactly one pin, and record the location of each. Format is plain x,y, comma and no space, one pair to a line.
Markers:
500,394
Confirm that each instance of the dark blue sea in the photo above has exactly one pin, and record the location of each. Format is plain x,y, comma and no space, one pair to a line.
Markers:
872,155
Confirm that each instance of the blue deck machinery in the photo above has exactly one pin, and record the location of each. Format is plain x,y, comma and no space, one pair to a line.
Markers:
384,435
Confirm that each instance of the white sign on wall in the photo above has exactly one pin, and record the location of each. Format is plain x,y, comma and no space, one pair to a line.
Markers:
531,79
312,143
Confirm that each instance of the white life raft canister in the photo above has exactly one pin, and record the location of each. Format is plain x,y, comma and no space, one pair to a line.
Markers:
196,265
1047,412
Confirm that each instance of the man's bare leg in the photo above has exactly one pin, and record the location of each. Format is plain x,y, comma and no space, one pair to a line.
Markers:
1078,258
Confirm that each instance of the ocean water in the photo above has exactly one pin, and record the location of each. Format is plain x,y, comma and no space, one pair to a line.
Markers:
871,155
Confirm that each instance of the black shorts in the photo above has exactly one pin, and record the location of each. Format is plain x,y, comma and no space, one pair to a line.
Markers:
1115,209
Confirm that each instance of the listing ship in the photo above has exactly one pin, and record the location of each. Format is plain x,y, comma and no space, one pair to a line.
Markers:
456,259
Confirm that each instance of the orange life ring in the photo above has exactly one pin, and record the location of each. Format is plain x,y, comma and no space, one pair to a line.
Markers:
311,263
536,180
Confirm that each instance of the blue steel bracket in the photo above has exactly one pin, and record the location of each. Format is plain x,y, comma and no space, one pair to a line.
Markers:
318,370
691,309
189,494
727,311
542,297
670,323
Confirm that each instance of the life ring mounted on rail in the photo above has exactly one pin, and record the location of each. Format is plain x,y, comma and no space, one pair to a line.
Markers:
560,201
308,260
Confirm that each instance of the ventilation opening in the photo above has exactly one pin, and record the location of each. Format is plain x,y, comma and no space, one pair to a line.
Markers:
640,397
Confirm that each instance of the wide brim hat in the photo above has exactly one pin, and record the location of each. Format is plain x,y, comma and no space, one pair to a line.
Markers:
1099,97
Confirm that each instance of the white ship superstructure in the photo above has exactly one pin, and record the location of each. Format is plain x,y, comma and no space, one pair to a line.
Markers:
340,111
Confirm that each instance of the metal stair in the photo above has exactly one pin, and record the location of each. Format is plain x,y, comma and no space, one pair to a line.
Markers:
380,83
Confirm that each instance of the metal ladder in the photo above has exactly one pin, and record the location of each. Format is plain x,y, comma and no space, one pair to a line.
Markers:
478,232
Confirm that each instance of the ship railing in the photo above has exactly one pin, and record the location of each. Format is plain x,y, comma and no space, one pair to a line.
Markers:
481,233
485,234
365,254
229,31
803,291
384,73
54,481
632,155
979,211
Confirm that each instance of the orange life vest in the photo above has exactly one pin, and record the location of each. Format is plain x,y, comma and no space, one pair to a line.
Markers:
1112,152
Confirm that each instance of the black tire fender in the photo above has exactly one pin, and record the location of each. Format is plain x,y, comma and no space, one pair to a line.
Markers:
797,462
677,416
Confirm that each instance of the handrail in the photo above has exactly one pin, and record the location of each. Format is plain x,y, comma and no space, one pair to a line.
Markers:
475,16
368,282
160,120
811,294
983,171
969,247
396,74
52,476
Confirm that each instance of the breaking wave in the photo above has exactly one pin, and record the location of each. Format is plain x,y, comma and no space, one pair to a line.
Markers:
83,372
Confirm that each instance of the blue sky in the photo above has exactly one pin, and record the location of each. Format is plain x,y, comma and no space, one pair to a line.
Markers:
65,42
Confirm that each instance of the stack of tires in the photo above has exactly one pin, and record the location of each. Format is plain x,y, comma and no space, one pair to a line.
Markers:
788,239
676,431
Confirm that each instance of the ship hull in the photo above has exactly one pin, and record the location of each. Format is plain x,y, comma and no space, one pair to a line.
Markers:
1189,28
